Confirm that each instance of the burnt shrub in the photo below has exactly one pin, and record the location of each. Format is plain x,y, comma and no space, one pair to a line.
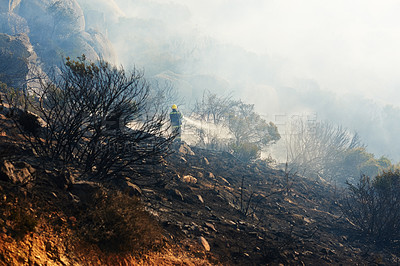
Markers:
17,217
118,223
29,122
373,205
88,111
23,222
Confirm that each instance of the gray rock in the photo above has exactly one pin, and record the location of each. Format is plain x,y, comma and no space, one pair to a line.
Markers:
56,29
101,44
16,173
185,149
17,59
13,24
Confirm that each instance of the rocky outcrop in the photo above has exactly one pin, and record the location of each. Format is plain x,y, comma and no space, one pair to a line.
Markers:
56,29
12,24
17,59
16,173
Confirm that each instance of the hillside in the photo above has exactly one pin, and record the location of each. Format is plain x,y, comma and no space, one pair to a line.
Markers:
204,207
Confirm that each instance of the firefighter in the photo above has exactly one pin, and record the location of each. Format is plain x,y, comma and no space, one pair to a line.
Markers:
176,122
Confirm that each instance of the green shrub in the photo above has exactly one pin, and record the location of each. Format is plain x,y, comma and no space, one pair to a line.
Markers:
246,151
374,206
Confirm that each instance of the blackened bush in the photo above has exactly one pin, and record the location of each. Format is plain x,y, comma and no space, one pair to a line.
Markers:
23,222
16,217
119,224
96,117
29,122
374,206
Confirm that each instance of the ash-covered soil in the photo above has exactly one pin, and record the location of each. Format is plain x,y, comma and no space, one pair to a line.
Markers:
210,207
252,214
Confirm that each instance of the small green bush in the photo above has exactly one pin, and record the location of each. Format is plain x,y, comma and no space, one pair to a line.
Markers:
246,151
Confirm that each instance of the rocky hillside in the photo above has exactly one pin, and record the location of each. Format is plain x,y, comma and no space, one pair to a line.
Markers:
44,32
198,207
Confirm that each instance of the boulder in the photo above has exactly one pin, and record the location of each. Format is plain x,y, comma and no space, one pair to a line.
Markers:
56,30
51,20
16,173
101,45
189,179
204,243
185,149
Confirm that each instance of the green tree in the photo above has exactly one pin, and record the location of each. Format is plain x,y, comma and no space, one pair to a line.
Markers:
358,161
247,126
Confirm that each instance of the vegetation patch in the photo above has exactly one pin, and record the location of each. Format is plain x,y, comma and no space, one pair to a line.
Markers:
373,205
118,224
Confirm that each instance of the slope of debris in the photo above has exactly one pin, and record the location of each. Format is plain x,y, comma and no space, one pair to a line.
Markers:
209,207
256,215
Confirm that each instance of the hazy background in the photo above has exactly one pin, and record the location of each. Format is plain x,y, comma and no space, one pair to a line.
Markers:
336,59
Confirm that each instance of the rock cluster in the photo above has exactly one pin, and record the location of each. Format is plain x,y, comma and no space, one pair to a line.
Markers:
52,30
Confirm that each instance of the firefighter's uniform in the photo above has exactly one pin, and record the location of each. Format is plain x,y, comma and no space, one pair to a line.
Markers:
176,122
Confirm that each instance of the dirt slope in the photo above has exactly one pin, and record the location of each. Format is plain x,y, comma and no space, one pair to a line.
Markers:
209,207
255,215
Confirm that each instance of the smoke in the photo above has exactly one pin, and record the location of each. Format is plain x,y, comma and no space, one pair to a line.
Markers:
338,59
204,133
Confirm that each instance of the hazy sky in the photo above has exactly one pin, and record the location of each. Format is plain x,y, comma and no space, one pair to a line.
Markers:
338,58
345,46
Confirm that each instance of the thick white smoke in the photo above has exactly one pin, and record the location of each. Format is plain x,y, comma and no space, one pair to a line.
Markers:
338,58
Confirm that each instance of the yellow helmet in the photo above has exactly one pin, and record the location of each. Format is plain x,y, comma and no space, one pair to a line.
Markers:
174,106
